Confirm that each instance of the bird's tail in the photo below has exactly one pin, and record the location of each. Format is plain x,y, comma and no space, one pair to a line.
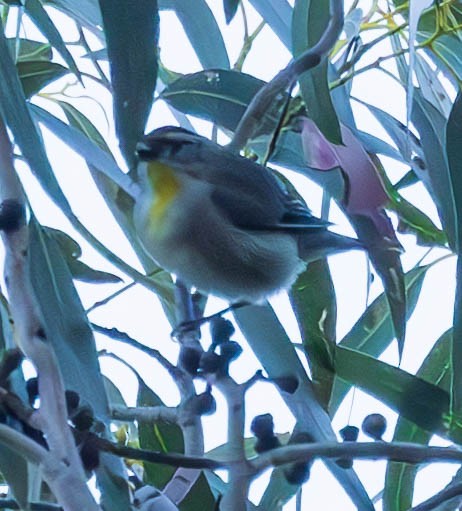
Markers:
321,243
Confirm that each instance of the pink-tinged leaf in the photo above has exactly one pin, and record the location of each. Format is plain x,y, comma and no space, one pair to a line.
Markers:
364,202
365,192
319,152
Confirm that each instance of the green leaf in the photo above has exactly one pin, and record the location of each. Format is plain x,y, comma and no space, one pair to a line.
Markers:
43,22
200,497
219,96
431,126
202,30
230,8
411,219
35,75
399,479
268,339
446,48
132,32
78,120
72,339
313,301
408,145
84,273
84,12
278,15
15,471
454,154
414,221
72,252
15,112
25,49
309,22
161,436
383,250
373,332
413,398
82,145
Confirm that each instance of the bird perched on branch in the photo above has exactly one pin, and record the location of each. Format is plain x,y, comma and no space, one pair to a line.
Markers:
221,222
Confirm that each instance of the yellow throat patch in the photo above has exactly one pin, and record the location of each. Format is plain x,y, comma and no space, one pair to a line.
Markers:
165,186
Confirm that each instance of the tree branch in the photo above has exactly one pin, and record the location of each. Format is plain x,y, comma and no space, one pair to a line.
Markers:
145,414
62,469
267,94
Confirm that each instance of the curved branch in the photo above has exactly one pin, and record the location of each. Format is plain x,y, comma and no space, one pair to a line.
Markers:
307,60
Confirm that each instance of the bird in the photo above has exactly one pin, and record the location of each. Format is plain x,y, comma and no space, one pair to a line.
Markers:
222,223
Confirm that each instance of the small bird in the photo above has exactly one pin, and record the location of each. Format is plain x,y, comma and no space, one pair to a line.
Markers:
221,222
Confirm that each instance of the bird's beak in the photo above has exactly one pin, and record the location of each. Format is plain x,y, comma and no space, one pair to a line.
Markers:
143,151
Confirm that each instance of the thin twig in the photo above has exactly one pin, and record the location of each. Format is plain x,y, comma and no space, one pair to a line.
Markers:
395,451
441,497
145,413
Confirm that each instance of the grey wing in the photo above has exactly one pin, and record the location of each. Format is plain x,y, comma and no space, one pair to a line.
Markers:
247,193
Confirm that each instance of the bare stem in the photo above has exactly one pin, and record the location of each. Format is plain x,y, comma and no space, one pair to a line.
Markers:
63,469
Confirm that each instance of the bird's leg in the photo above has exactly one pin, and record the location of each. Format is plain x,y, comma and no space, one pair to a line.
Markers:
186,326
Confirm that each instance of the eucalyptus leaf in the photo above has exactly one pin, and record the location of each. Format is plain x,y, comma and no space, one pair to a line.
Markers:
373,332
202,30
276,353
278,15
413,398
133,66
72,339
399,478
85,12
230,8
43,22
309,22
15,112
431,126
220,96
159,436
27,49
36,74
454,154
313,301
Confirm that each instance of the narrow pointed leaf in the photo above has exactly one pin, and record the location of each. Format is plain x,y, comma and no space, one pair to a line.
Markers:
160,436
26,49
313,301
431,126
230,8
454,155
82,145
220,96
43,22
276,353
73,342
202,30
373,332
36,74
413,398
132,32
278,15
85,12
15,112
309,21
400,477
